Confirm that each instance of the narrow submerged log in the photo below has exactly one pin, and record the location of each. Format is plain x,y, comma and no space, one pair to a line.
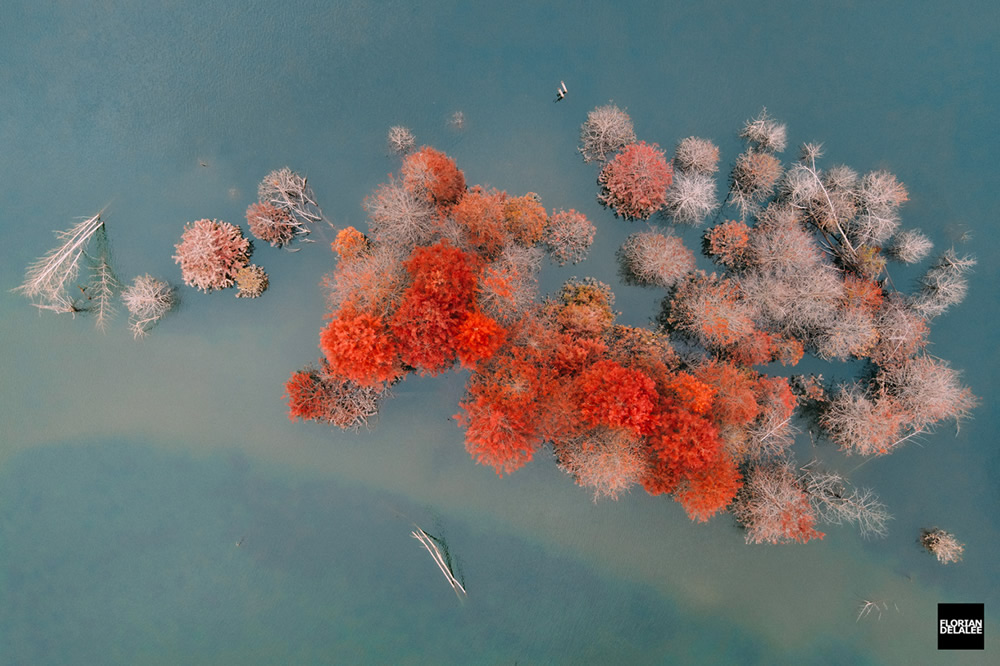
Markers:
428,542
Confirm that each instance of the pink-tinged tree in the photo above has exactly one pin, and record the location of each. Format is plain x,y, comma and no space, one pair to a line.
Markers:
710,310
432,175
928,390
773,506
371,281
635,182
851,333
315,396
753,180
398,216
569,236
772,433
271,224
860,423
653,258
608,461
210,253
902,332
508,285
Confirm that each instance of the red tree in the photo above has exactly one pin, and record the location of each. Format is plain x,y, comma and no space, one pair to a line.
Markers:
728,243
636,181
499,433
685,441
350,243
315,396
710,490
358,346
526,219
434,306
478,338
480,215
432,174
618,397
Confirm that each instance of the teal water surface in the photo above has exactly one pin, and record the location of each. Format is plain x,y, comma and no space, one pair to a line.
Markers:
130,470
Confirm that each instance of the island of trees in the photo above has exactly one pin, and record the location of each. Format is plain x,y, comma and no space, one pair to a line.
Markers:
445,275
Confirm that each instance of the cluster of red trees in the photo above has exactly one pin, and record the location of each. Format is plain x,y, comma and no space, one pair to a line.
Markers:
446,276
617,405
448,269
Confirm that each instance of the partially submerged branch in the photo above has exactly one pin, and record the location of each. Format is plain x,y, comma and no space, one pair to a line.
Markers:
48,279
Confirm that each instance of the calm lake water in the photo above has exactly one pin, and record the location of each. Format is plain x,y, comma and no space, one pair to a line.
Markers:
130,470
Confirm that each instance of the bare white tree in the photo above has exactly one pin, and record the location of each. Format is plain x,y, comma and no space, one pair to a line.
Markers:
697,155
942,544
879,198
606,129
910,246
765,133
691,197
401,140
944,284
101,291
288,191
652,258
836,503
399,218
148,299
457,121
